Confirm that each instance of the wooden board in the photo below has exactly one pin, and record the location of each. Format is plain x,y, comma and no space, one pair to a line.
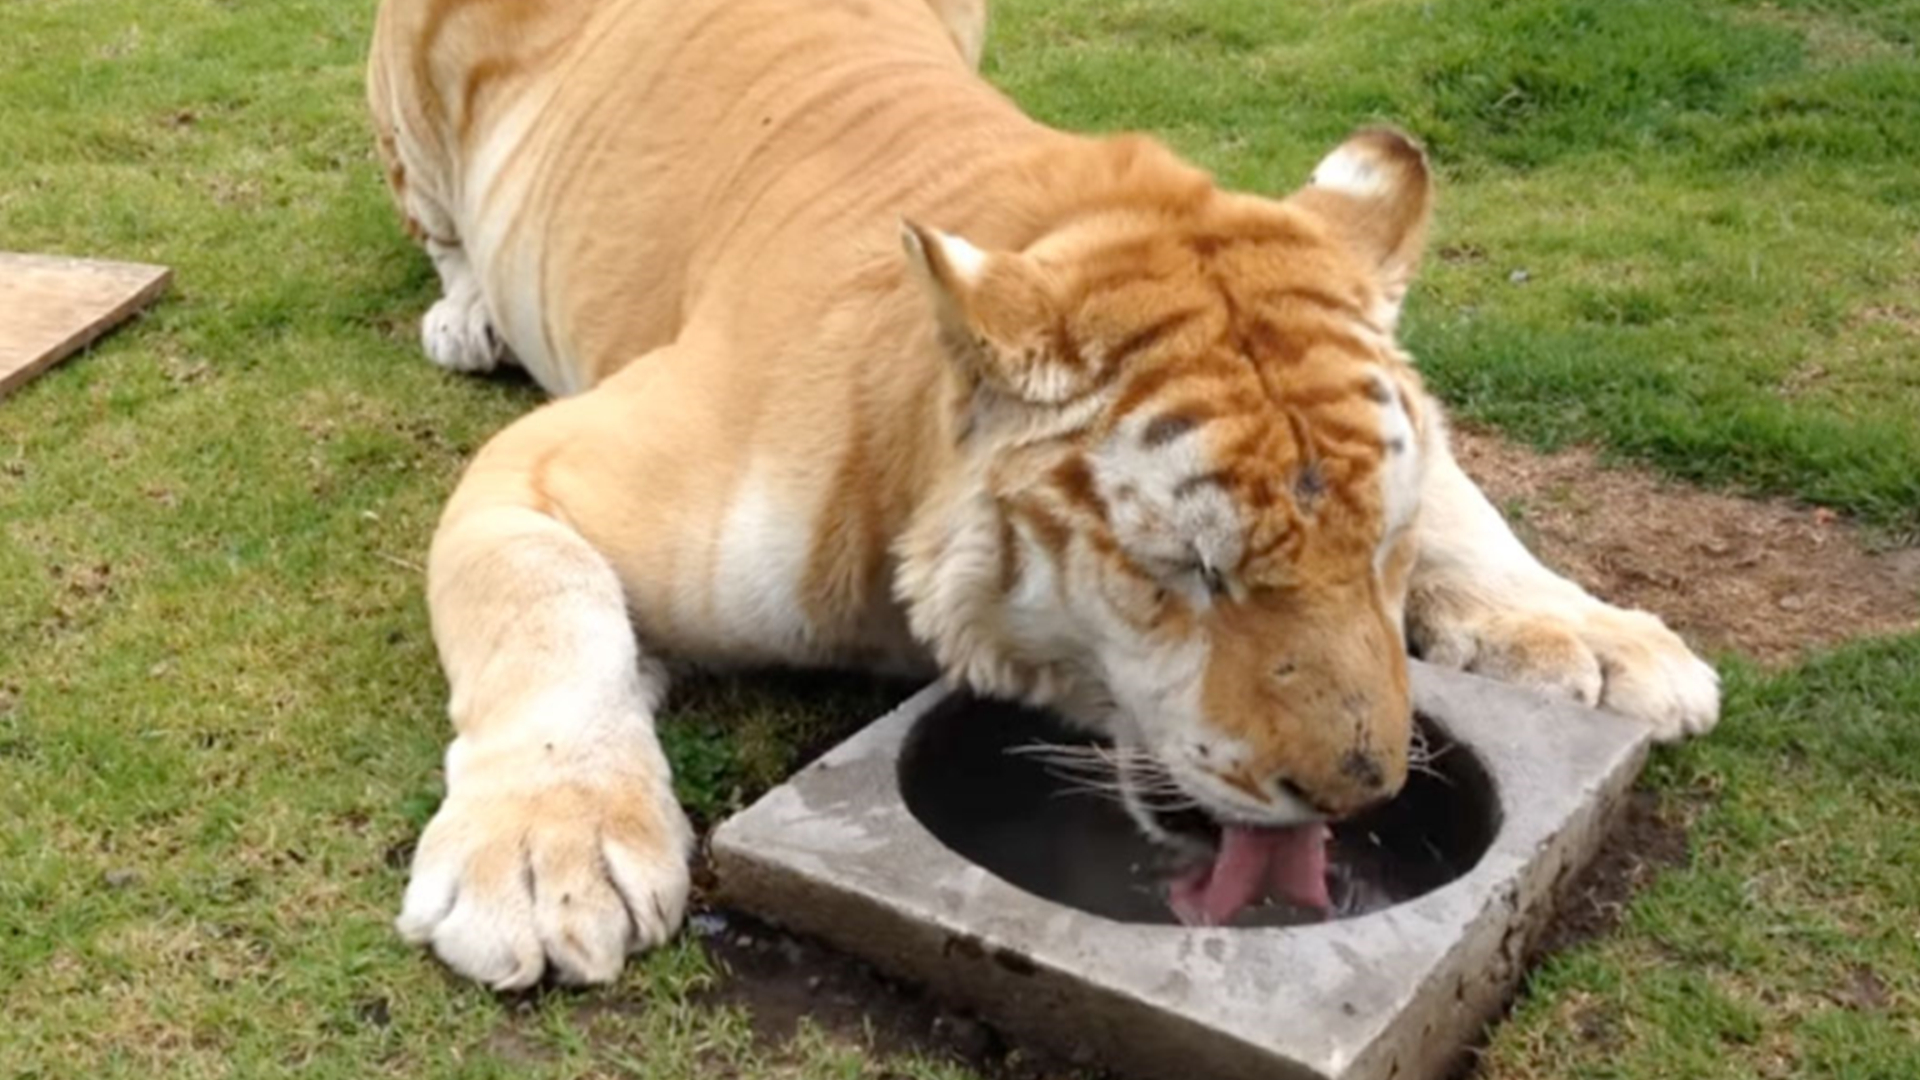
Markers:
51,307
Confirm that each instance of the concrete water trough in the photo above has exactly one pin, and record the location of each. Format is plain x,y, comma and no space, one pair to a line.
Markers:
929,845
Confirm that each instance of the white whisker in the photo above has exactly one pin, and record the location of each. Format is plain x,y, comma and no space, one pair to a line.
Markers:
1123,774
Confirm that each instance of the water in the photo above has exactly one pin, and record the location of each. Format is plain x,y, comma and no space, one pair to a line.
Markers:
1009,813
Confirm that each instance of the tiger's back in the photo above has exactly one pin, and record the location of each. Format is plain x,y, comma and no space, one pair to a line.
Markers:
614,171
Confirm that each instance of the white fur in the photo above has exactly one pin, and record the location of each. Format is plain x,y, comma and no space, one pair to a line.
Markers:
470,327
948,582
457,331
1160,687
504,888
1164,687
1160,525
1050,383
967,262
762,558
488,184
559,845
1229,804
510,245
1351,171
966,22
1400,472
950,564
1482,602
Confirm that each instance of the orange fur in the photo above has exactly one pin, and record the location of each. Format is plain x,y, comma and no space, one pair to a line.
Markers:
1104,435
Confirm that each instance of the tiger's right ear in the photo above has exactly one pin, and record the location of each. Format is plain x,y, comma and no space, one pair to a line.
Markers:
998,317
1376,192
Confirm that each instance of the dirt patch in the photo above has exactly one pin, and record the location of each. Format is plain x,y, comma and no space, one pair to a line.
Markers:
1648,837
781,979
1646,840
1766,578
1898,316
1831,41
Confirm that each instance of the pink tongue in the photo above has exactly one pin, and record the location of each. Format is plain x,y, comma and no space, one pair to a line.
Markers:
1291,862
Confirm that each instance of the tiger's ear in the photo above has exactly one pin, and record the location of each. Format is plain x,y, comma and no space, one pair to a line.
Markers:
1375,192
999,317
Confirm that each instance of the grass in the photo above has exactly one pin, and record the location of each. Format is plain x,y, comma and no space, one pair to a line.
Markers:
220,717
1712,204
1787,946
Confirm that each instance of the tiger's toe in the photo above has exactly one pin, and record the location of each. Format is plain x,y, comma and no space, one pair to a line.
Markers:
1627,662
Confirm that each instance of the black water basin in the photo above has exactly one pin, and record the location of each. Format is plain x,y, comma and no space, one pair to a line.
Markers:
969,776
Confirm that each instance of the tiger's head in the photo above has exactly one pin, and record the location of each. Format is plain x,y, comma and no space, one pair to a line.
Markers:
1191,455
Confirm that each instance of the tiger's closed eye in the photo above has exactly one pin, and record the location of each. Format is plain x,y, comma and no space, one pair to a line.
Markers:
1215,581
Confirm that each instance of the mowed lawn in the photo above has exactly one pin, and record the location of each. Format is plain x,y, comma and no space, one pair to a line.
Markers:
1685,230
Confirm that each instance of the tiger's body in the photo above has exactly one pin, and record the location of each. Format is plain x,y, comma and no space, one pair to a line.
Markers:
1087,431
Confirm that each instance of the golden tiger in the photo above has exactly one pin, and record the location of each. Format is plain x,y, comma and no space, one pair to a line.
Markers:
856,364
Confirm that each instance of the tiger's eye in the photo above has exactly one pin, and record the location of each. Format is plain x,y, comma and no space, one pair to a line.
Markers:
1215,581
1309,484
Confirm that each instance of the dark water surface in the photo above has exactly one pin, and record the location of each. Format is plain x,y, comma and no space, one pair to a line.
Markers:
1007,812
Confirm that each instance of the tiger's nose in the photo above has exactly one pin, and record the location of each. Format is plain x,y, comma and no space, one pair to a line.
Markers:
1364,769
1366,779
1359,781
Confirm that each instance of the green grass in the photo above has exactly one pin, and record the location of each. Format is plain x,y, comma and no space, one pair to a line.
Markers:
1714,203
1787,947
220,717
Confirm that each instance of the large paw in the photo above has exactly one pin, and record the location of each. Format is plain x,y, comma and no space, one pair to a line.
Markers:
457,334
1624,661
570,876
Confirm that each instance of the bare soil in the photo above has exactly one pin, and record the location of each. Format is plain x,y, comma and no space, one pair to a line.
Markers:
1766,578
781,980
1648,838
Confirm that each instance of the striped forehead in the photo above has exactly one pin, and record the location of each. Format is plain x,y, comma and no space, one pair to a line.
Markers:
1248,413
1245,481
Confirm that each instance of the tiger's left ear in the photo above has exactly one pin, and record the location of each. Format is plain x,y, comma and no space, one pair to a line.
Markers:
1375,192
999,317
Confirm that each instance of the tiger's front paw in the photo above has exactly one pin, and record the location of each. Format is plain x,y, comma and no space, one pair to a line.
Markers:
1621,660
458,336
511,879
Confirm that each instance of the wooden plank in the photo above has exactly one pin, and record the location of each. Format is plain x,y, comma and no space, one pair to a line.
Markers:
52,307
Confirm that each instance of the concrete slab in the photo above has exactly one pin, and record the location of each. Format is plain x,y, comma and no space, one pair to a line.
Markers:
1392,995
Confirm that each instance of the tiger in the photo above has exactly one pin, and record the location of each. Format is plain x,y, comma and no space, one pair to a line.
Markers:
852,364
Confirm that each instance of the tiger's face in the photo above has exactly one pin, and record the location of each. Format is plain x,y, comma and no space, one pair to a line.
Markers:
1196,469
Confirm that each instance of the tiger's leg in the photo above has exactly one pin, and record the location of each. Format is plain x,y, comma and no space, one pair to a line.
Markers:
559,844
457,332
1481,602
